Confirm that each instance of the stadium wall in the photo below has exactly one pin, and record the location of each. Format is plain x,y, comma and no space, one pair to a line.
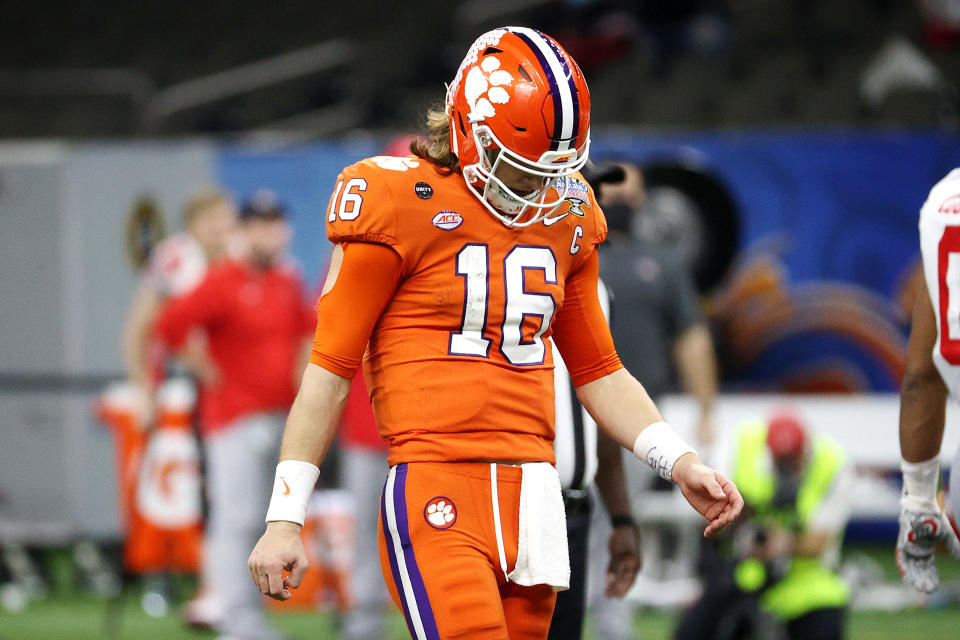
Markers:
811,295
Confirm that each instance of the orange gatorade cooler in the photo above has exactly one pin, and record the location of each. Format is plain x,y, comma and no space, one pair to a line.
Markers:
158,477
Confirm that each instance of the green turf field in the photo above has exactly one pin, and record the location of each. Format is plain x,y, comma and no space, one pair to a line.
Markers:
66,615
82,619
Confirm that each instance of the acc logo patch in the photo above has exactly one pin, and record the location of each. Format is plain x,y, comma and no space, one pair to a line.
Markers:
577,194
440,513
447,220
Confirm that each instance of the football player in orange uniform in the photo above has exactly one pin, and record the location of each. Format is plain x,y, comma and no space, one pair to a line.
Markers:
456,270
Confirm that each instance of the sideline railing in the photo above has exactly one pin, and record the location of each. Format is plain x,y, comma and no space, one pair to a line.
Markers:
152,106
246,78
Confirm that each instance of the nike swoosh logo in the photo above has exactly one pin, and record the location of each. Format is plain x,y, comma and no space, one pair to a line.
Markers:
552,221
286,487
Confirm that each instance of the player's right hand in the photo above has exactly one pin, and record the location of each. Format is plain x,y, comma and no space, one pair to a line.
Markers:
278,550
922,527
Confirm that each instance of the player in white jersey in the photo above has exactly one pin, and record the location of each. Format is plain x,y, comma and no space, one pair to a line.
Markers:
933,371
176,266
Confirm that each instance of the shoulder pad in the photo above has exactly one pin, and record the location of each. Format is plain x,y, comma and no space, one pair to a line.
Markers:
361,208
177,265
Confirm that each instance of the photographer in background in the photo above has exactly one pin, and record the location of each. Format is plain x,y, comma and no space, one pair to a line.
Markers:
777,568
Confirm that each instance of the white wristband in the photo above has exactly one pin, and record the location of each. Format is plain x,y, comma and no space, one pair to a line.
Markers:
659,446
292,488
920,481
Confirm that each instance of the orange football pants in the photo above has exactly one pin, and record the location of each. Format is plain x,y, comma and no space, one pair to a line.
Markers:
443,561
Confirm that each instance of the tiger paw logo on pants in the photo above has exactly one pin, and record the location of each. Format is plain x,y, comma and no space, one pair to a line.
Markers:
440,513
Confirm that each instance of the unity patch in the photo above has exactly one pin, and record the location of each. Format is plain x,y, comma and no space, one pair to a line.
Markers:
423,190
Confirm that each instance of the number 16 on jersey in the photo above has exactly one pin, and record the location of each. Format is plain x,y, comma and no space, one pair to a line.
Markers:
473,264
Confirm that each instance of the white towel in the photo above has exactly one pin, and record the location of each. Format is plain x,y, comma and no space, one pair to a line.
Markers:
542,553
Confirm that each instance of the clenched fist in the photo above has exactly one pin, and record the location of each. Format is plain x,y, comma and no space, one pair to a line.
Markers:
279,550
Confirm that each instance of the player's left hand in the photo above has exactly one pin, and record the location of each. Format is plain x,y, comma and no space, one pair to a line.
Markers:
715,497
624,560
922,527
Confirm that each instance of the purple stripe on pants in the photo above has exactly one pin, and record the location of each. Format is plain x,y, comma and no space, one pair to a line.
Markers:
393,558
409,559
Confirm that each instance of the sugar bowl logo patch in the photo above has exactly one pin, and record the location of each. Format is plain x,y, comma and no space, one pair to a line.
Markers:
577,194
447,220
440,512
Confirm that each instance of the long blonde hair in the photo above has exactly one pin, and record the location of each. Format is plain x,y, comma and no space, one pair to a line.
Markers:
434,145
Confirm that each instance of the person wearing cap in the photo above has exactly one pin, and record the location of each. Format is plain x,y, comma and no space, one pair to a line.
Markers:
259,326
660,331
778,566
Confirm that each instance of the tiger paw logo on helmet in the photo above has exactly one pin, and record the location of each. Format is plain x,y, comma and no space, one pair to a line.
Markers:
440,513
487,78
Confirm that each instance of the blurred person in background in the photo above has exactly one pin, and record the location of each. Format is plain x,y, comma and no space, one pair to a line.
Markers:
659,328
258,326
589,462
363,463
932,371
175,268
777,570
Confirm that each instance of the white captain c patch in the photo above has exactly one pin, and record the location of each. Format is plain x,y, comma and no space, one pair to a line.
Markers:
575,244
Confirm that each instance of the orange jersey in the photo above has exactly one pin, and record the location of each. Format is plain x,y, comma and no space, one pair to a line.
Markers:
459,362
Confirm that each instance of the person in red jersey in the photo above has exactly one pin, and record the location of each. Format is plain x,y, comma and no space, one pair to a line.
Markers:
257,324
454,273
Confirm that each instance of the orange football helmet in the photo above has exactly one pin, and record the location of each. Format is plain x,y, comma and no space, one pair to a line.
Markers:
519,99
